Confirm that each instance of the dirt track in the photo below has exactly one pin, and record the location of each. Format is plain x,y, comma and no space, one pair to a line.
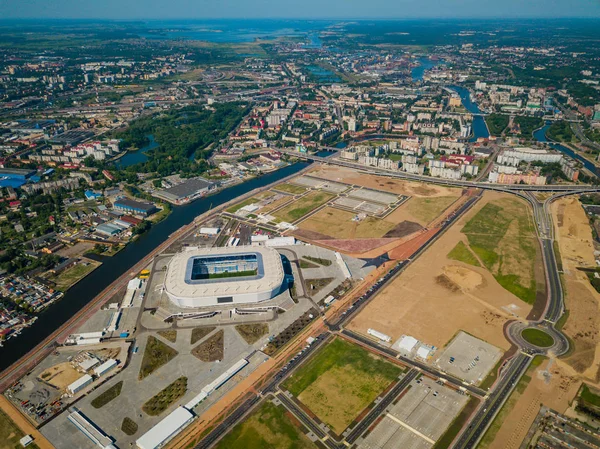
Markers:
24,424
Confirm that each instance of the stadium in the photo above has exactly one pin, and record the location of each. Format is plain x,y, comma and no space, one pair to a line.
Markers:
219,276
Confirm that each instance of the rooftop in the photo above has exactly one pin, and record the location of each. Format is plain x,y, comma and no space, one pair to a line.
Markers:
269,274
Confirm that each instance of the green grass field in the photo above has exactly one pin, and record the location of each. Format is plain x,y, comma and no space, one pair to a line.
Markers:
428,209
463,254
10,434
502,235
303,206
291,188
72,275
588,396
538,338
267,427
340,381
156,355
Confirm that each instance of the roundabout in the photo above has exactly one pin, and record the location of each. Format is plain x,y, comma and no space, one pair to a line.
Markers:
537,337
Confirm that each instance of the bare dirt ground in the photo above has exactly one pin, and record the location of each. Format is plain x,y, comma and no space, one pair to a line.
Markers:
575,242
339,224
554,391
61,375
397,186
426,202
418,304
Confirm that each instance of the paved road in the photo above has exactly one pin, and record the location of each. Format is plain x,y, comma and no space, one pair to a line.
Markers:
491,406
519,364
450,182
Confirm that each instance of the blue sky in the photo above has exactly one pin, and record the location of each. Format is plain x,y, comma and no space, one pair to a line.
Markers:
336,9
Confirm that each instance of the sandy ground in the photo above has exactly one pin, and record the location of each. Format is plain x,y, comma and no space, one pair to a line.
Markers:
24,424
416,190
61,375
554,391
575,241
436,297
397,186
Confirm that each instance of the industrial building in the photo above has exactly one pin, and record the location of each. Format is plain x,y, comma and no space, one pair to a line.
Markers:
95,435
134,207
105,367
215,276
79,384
166,429
187,191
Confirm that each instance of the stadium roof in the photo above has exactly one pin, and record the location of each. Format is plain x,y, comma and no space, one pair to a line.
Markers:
271,270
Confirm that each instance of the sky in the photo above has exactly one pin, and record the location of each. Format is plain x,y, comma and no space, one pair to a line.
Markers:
325,9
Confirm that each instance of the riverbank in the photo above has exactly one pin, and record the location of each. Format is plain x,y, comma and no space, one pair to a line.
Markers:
89,294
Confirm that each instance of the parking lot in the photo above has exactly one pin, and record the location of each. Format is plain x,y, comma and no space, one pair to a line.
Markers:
468,358
419,418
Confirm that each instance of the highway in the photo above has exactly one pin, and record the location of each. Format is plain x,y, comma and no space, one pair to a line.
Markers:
488,410
511,188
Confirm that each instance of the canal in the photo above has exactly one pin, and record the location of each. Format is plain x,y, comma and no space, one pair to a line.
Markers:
540,136
113,267
479,126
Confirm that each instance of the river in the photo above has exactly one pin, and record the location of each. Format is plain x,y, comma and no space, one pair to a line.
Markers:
134,157
84,291
480,129
540,136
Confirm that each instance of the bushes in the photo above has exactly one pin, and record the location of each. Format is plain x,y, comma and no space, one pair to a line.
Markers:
160,402
110,394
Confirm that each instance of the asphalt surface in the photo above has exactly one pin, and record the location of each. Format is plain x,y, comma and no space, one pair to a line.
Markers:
450,182
518,365
431,371
491,406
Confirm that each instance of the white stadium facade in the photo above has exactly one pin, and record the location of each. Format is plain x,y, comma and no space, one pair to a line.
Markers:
205,277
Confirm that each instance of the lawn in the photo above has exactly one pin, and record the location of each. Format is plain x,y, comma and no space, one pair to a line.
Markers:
463,254
268,427
161,401
588,396
339,224
10,434
251,333
502,235
156,355
340,381
428,209
104,398
538,338
77,272
291,188
302,206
